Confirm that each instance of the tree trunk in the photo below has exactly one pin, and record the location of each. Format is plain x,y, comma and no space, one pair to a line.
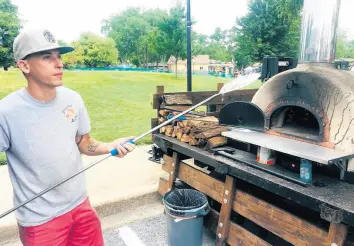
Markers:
176,67
138,59
146,57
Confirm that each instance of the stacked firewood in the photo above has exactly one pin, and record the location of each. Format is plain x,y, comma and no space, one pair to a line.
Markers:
204,132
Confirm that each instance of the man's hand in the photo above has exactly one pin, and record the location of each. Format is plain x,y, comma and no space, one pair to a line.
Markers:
122,145
89,146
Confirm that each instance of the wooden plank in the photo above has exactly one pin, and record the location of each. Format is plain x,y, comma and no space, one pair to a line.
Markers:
201,181
219,86
215,114
160,89
154,123
163,186
179,107
281,223
167,164
225,211
278,221
240,236
219,106
174,172
337,234
156,98
190,162
196,97
181,99
237,235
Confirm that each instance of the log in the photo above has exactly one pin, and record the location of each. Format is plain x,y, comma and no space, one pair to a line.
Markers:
209,133
193,141
215,142
187,130
181,124
209,121
169,130
163,129
164,112
185,138
199,132
208,118
161,120
174,131
179,133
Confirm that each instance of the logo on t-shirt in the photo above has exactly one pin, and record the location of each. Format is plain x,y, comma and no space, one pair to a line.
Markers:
70,113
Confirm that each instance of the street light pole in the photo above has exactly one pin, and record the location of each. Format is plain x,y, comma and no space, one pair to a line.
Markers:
189,48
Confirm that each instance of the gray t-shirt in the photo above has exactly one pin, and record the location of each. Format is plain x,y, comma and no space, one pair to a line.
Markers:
39,141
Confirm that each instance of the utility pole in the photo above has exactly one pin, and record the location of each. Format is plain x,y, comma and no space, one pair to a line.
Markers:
189,48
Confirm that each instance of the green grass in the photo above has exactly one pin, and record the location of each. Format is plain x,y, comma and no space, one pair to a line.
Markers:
119,103
2,158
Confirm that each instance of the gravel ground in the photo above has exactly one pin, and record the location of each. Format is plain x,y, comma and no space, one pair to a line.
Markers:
150,232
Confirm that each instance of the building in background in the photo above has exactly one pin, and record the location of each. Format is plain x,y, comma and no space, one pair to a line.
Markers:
202,65
224,69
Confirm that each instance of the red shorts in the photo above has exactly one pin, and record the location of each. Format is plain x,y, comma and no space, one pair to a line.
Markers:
80,226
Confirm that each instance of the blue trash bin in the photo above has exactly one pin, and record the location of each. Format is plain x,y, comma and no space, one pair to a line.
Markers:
185,211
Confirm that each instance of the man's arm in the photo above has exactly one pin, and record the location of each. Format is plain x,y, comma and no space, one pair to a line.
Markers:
89,146
92,147
4,136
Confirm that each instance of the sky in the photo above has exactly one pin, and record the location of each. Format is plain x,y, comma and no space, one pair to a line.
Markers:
67,19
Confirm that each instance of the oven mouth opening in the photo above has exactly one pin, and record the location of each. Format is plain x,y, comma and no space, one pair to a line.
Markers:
295,121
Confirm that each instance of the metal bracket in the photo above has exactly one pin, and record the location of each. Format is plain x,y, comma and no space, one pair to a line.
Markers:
331,214
156,154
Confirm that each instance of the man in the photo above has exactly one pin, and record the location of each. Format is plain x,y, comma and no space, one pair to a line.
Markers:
44,128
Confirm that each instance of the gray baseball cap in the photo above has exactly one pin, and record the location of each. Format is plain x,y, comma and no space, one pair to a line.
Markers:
31,41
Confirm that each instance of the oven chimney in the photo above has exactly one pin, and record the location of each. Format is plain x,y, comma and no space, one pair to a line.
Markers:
319,31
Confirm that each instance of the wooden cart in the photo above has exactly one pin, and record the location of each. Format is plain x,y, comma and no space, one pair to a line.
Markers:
250,206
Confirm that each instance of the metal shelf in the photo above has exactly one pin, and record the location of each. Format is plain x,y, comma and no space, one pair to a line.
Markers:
289,146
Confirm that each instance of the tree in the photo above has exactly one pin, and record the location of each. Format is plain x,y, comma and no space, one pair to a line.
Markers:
9,29
75,58
217,51
218,36
199,43
172,35
345,47
220,46
129,30
135,33
92,50
272,27
153,52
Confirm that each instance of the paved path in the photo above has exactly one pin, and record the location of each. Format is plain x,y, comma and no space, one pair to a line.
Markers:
110,181
150,230
147,232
